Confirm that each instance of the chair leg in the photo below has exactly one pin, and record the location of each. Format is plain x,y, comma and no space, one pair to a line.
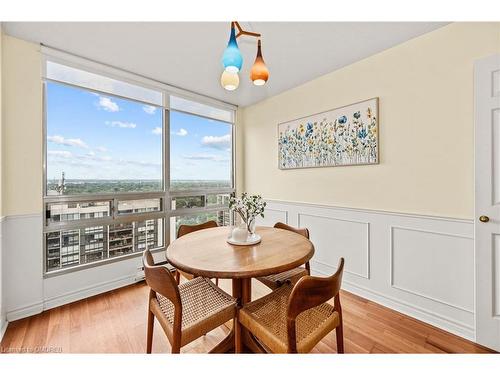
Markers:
149,342
339,331
238,343
216,281
177,277
176,347
340,338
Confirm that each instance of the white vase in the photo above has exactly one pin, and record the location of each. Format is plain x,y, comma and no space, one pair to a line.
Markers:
240,234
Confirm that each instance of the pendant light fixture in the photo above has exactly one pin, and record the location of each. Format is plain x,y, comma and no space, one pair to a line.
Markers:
259,73
232,61
230,81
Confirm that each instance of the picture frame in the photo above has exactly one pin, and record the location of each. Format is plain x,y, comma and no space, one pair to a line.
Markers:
343,136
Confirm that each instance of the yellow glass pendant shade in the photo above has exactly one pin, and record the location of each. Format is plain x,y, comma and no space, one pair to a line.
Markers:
259,73
230,81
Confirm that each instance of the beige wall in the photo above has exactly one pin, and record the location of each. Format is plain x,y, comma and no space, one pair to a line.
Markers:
426,116
22,123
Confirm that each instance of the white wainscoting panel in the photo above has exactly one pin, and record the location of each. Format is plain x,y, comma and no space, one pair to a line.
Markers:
273,216
351,239
23,257
422,266
496,83
420,257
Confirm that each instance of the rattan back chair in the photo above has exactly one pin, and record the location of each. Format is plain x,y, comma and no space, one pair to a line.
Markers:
186,229
294,318
290,276
185,312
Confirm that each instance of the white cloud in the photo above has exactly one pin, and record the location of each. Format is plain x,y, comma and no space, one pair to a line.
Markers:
60,154
91,153
182,132
121,124
157,131
60,140
149,109
90,157
101,149
140,163
107,104
222,142
209,157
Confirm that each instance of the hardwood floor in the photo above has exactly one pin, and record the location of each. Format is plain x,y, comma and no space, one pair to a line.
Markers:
115,322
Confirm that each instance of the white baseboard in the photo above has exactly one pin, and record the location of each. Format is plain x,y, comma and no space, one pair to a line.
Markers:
25,311
90,291
3,328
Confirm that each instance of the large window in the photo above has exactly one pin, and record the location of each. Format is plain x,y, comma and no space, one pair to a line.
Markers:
201,163
100,143
200,152
111,188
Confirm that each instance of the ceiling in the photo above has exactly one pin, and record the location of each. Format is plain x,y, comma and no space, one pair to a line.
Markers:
188,55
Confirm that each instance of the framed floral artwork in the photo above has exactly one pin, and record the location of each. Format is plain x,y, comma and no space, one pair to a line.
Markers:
342,136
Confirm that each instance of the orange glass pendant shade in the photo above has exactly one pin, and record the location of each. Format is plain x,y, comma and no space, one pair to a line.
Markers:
259,73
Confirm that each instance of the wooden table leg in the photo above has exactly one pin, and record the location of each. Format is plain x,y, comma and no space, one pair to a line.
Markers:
242,291
240,295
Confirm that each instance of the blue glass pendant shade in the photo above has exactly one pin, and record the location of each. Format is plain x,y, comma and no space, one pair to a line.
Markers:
232,59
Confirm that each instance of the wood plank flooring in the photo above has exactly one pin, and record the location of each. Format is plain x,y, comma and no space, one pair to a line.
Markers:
115,322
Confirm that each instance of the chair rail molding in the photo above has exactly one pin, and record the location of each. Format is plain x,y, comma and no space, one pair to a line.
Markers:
419,265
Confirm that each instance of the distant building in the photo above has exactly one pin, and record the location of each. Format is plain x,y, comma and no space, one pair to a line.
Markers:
79,246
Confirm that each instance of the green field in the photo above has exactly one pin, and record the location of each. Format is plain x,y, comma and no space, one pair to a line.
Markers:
76,187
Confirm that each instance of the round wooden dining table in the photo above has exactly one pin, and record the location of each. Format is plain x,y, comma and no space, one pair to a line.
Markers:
207,253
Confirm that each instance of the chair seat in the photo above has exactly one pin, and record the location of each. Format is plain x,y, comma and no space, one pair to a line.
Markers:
278,279
266,318
204,308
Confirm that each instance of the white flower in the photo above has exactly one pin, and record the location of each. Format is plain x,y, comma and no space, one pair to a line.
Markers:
248,206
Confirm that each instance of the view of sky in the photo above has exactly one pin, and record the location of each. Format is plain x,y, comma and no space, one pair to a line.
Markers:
92,136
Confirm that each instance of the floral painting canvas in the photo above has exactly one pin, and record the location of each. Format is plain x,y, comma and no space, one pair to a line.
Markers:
342,136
